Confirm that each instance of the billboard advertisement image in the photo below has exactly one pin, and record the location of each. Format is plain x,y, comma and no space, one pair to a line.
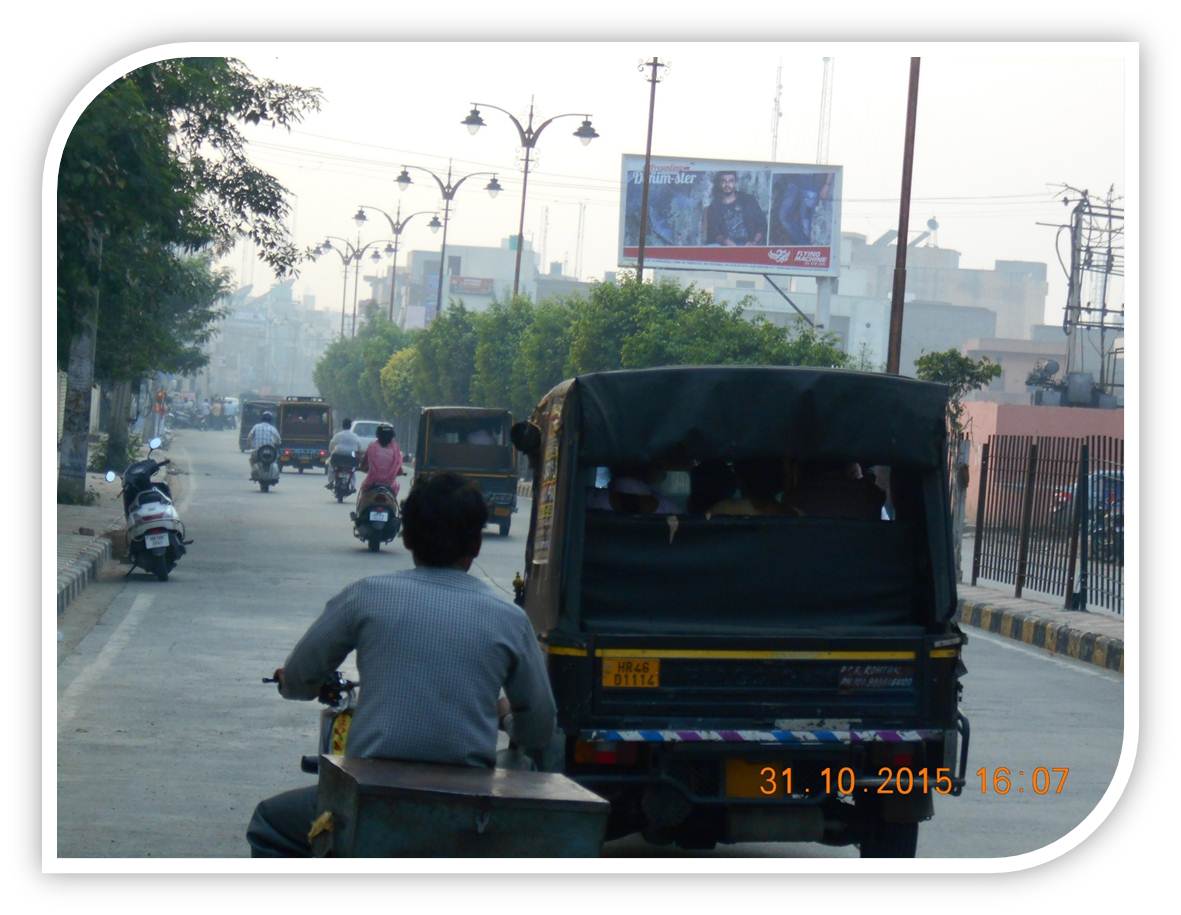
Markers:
743,217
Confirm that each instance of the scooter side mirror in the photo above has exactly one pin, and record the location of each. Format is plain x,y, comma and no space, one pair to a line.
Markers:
110,476
154,443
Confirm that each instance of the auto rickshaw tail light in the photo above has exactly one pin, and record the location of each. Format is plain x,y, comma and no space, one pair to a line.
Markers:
610,753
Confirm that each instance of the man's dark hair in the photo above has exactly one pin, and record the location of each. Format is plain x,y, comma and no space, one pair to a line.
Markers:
385,435
718,177
347,424
443,518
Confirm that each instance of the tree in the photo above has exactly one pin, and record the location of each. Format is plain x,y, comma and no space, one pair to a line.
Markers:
498,378
172,304
155,168
397,385
961,374
544,357
446,358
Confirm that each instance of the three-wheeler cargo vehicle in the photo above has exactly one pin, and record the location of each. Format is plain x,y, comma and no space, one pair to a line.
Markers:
475,443
305,425
743,580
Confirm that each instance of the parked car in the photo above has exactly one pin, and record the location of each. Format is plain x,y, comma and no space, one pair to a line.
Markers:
1106,489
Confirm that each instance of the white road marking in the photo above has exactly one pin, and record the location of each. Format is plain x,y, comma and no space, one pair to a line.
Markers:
1044,655
69,701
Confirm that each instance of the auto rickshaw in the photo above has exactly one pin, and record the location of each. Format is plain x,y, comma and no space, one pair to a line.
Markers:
305,425
743,579
473,442
251,412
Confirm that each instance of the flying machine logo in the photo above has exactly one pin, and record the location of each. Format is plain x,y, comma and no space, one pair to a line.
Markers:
779,255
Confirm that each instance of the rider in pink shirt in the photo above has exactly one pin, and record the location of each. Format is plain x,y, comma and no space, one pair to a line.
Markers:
382,461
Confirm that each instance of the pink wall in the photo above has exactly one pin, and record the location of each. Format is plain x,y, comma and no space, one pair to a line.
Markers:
1022,419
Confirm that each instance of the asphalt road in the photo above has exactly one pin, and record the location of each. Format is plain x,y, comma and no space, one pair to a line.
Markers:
167,738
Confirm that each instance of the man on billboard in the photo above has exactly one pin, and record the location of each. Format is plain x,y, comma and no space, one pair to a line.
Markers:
802,208
733,217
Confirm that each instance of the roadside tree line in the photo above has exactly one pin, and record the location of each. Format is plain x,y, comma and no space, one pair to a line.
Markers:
153,184
511,354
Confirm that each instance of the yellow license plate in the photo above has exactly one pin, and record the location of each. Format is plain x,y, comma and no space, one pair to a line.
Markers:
631,673
503,511
763,780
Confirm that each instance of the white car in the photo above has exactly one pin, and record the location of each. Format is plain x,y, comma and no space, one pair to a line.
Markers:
366,431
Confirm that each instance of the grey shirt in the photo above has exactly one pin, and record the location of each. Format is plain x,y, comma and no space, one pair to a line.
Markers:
434,648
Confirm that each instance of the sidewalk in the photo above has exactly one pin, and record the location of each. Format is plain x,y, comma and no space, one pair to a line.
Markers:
1096,638
82,547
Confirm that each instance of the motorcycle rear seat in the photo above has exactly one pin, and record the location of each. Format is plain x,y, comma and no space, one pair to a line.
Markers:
386,808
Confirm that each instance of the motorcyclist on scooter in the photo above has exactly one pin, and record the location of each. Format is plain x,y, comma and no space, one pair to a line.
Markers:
434,646
262,433
382,463
345,442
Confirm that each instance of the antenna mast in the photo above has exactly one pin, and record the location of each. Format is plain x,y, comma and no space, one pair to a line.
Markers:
776,113
825,114
578,249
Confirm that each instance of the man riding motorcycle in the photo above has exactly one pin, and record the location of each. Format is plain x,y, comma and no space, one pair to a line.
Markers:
262,433
345,442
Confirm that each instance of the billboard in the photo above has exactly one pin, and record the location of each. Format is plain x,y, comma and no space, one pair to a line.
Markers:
736,216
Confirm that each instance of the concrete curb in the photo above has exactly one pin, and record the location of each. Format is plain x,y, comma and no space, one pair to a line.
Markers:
1059,638
81,571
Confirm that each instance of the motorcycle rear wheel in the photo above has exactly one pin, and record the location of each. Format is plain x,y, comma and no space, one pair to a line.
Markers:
160,567
374,544
264,486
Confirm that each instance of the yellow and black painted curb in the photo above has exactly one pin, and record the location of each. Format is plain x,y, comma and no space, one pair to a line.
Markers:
1059,638
82,570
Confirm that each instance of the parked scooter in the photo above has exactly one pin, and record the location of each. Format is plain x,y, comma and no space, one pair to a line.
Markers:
155,533
264,466
343,466
376,520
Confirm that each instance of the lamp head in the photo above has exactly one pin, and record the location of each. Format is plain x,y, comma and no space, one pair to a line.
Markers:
473,122
493,187
359,217
434,225
586,132
403,179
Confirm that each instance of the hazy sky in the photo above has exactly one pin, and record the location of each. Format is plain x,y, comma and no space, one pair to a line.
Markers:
999,126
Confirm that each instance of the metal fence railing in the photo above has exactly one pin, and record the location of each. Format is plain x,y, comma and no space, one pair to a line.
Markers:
1037,497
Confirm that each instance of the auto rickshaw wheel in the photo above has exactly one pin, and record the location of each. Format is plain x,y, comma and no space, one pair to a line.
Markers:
890,840
301,468
504,526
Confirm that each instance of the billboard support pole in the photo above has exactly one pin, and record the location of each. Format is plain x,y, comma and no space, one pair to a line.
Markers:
894,351
787,298
655,64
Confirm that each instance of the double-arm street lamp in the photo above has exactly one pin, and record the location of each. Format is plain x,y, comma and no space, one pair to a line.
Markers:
447,189
528,137
397,224
351,254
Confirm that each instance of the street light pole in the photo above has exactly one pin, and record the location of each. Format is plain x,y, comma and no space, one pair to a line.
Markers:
447,189
351,253
528,137
397,224
655,64
894,346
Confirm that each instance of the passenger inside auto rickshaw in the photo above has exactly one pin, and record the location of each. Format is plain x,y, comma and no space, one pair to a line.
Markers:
763,486
633,490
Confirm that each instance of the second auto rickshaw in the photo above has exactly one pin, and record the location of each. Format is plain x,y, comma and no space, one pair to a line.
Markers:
473,442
